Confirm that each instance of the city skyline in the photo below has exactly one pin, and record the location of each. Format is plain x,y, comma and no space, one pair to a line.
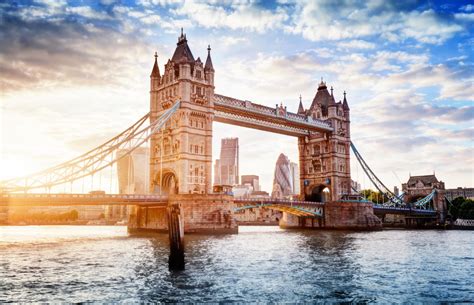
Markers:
416,84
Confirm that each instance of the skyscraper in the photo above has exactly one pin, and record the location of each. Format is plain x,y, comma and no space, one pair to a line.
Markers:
133,178
282,179
253,180
133,171
226,170
295,178
286,181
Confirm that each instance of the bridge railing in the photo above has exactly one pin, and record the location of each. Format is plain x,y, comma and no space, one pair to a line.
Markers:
261,109
274,200
66,196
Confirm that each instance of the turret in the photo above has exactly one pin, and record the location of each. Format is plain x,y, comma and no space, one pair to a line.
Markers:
332,106
301,108
208,67
155,75
345,105
322,99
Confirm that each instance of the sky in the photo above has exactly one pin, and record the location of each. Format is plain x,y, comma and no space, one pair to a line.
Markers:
75,73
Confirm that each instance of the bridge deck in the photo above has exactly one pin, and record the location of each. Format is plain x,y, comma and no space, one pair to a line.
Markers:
80,199
22,199
247,114
402,211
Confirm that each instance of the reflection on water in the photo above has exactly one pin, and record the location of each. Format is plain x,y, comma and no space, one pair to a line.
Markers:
77,264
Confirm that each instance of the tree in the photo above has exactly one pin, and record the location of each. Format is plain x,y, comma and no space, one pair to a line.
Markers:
466,211
462,208
375,197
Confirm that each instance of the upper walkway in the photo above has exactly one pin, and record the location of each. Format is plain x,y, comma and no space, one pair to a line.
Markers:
278,120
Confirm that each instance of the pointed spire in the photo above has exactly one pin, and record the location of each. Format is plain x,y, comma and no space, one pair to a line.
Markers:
322,85
300,107
208,66
156,70
182,53
333,101
345,105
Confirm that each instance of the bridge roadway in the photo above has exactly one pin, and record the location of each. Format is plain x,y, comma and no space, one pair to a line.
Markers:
298,207
379,209
22,199
295,207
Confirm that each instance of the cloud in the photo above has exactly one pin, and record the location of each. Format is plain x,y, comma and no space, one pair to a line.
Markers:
395,21
467,8
231,40
464,16
239,15
356,44
39,52
87,12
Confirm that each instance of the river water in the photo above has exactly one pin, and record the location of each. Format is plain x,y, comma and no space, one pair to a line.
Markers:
267,264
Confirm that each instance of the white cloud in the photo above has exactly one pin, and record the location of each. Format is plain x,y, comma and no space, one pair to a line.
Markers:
325,20
243,15
467,8
88,12
464,16
356,44
427,27
232,40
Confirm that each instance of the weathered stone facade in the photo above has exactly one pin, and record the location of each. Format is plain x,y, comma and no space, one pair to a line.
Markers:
340,215
418,187
181,155
325,157
211,213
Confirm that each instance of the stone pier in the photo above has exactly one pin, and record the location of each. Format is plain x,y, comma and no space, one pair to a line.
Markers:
341,215
206,214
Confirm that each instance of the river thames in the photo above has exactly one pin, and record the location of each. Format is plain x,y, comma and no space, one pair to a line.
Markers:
266,264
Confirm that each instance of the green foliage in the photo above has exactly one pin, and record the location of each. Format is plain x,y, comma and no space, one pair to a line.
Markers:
375,197
462,208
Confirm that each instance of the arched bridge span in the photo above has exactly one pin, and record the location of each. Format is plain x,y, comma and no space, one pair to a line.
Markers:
294,207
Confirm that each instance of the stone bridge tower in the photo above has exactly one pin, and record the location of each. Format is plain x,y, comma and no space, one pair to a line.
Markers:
325,157
181,154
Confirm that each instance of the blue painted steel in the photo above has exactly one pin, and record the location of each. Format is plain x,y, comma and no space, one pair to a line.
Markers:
394,201
270,205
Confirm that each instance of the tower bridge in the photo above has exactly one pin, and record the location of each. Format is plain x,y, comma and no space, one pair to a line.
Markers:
179,129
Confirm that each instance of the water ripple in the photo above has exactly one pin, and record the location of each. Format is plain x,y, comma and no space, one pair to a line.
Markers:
104,264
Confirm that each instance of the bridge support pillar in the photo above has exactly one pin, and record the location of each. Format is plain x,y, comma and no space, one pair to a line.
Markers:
176,237
344,215
289,221
201,213
351,215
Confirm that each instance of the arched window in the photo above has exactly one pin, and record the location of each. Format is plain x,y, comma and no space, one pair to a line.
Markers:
167,147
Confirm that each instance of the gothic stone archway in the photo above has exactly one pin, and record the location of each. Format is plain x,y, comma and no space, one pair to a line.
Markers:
169,183
319,193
